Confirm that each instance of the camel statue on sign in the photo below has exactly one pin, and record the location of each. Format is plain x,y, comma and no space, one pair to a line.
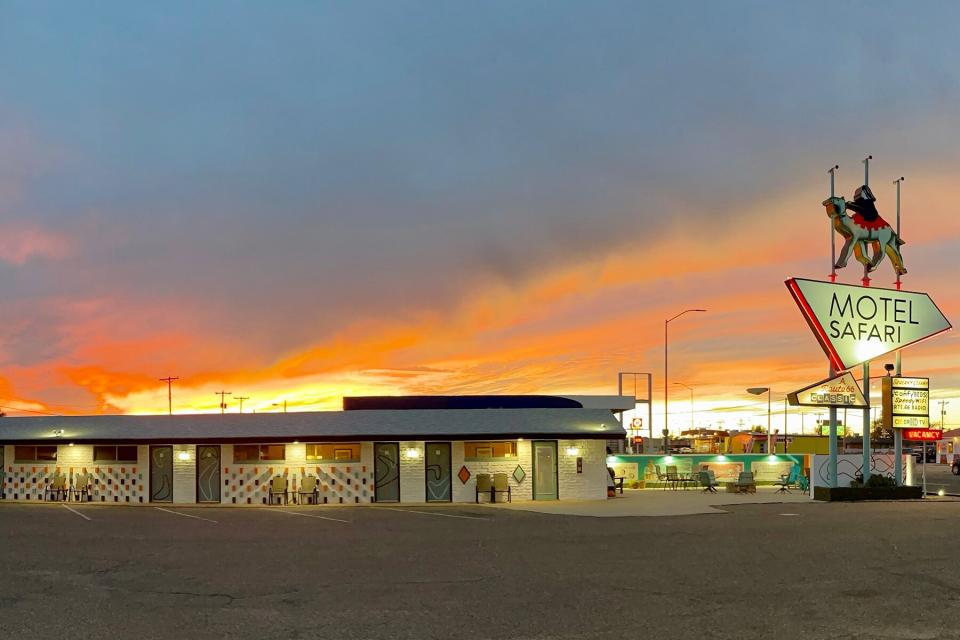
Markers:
860,232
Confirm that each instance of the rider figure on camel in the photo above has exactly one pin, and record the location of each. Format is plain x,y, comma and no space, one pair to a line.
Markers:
865,212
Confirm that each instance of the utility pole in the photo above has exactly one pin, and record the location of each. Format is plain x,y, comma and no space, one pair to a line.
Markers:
169,380
223,401
241,399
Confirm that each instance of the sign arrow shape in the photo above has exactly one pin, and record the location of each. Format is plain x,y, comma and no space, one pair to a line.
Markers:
857,324
839,391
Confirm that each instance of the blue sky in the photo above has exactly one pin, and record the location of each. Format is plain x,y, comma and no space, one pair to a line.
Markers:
239,184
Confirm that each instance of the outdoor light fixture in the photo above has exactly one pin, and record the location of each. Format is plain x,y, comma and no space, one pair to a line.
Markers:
70,444
941,493
183,456
668,459
413,453
573,451
58,433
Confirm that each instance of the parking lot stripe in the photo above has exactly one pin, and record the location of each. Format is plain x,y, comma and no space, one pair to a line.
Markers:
185,515
431,513
76,512
309,515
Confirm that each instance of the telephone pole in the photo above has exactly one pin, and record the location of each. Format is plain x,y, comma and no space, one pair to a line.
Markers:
169,380
223,401
241,399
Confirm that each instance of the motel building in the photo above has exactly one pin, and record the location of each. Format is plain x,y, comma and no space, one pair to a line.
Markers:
406,449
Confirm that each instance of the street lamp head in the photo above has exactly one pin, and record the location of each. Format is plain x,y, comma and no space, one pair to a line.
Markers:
758,390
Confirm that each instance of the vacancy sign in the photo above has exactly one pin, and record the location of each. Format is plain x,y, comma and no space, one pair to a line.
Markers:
923,435
841,391
857,324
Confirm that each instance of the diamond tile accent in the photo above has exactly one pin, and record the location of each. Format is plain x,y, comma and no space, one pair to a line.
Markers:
519,474
464,474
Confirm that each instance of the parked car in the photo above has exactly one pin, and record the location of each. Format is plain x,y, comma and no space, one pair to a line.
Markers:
955,467
931,454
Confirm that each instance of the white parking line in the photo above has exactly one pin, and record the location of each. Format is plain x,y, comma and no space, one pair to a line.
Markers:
431,513
185,515
76,512
309,515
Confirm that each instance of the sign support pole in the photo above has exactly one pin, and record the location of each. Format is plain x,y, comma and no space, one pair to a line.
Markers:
833,439
866,365
832,429
897,434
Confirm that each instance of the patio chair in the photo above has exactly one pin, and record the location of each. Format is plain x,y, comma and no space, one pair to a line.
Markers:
745,483
57,488
692,480
802,482
308,488
673,477
661,478
278,487
501,485
709,481
788,480
484,485
81,486
617,480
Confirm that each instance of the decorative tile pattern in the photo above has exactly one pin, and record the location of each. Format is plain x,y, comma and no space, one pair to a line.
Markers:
519,474
464,474
107,484
336,484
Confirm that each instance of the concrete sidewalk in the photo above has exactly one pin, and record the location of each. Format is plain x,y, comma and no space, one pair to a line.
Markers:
656,502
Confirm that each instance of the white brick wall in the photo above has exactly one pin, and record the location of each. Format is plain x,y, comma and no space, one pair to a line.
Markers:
467,492
592,483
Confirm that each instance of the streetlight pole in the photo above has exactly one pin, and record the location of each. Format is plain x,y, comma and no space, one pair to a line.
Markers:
758,391
666,383
690,389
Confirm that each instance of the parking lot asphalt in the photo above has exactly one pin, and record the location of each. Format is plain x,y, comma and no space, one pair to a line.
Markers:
939,476
799,570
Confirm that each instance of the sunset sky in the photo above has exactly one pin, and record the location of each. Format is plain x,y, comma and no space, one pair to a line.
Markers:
299,201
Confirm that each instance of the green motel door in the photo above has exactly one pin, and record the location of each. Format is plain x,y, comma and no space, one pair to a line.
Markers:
545,470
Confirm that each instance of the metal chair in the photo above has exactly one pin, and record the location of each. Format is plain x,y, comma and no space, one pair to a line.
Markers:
57,488
81,486
501,485
709,481
308,487
788,480
278,487
661,477
484,485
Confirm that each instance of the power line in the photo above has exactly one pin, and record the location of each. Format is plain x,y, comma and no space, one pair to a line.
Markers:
241,399
223,400
169,380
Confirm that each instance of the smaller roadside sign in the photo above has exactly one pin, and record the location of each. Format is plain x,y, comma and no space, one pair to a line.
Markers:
906,402
841,391
923,435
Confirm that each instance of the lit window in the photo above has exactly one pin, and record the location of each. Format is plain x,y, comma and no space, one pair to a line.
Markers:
334,452
259,452
489,450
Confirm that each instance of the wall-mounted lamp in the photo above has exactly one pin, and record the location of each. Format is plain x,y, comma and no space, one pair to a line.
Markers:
183,456
413,453
573,451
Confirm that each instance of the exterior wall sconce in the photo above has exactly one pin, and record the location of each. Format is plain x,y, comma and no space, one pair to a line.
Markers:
412,453
183,456
573,451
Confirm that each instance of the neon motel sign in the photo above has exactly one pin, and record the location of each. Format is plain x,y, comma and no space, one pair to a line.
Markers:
857,324
840,391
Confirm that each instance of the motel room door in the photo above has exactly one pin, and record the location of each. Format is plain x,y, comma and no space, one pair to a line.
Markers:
161,473
545,470
208,473
438,476
386,471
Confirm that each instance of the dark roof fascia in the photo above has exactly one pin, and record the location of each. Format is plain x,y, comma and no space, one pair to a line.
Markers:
432,437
